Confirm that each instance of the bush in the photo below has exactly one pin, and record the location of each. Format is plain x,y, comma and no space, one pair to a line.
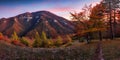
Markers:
7,39
1,36
24,41
16,42
82,39
59,41
50,43
69,39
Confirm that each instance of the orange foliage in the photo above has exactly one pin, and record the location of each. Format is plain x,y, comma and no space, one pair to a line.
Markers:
17,42
1,37
6,39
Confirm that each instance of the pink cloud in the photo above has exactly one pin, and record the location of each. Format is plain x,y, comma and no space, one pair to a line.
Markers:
60,9
94,3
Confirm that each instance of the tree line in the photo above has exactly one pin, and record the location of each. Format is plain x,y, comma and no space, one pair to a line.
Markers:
38,41
98,21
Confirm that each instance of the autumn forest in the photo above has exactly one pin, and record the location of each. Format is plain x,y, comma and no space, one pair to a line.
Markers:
90,34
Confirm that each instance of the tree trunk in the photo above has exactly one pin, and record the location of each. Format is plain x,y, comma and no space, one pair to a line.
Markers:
114,24
100,35
110,22
88,38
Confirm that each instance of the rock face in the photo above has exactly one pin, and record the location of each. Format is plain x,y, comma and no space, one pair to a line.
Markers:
27,24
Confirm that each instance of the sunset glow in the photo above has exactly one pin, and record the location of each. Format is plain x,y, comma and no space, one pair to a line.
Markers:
59,7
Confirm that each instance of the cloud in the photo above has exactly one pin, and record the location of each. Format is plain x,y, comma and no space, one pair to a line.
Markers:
60,9
94,3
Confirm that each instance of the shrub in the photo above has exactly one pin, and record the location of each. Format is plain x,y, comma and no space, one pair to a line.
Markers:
24,41
59,41
1,36
17,42
50,43
7,39
69,39
82,39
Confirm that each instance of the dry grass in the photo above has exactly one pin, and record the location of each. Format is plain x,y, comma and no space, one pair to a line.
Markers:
111,49
78,51
12,52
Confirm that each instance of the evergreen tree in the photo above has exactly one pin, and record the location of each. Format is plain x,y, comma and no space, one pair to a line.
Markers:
15,39
37,42
15,36
44,36
44,39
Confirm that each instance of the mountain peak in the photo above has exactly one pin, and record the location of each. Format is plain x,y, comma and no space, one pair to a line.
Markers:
29,23
43,11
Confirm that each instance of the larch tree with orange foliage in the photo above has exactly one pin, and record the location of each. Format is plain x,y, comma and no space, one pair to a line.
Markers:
90,21
96,17
83,24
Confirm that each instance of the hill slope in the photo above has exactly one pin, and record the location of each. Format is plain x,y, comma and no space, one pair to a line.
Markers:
27,24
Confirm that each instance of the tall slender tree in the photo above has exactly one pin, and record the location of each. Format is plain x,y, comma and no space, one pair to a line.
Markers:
37,42
15,36
112,6
44,39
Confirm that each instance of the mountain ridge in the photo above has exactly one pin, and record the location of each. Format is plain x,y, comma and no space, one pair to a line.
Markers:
27,24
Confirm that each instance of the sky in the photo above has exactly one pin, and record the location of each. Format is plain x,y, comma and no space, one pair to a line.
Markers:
10,8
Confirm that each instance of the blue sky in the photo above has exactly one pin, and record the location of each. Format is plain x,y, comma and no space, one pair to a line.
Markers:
9,8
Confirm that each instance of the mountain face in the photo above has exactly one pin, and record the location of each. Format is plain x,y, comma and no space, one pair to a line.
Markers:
27,24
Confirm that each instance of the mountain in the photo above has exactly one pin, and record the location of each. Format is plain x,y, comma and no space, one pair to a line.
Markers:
27,24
